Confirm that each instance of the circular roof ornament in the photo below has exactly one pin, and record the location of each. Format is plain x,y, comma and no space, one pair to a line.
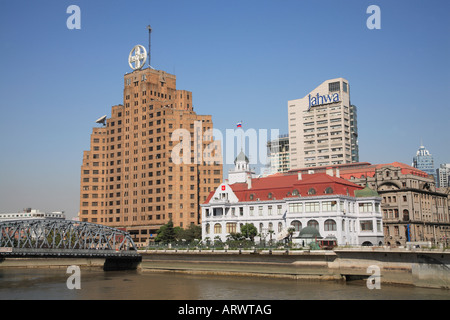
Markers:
138,56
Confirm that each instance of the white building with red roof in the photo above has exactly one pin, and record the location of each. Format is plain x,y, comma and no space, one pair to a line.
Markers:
335,207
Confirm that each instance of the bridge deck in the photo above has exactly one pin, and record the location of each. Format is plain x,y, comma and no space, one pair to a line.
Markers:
20,252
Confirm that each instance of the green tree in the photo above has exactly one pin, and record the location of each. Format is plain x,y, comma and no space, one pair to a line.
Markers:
190,234
249,231
166,233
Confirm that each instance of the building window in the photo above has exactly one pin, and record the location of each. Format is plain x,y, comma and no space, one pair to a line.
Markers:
334,86
295,207
297,225
314,224
405,215
217,228
328,190
366,225
329,206
312,191
330,225
365,207
231,227
312,207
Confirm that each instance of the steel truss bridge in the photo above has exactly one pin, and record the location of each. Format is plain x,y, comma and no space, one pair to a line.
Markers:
63,238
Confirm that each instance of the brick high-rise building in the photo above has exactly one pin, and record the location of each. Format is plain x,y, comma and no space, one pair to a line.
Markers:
129,178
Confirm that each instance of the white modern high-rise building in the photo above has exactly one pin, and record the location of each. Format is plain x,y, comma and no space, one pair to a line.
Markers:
322,127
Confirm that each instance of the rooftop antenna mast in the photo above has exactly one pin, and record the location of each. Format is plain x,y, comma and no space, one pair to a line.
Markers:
149,43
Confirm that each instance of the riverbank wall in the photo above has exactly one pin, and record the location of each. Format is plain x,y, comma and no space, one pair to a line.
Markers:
422,268
106,264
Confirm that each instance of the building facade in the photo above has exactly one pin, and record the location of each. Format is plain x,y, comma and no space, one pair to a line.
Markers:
443,175
413,209
278,151
323,127
335,207
29,214
147,164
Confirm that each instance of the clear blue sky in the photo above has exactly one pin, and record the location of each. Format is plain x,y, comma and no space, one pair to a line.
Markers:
243,60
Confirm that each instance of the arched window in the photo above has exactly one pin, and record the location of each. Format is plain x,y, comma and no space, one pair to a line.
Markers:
252,196
269,196
314,224
207,228
280,226
312,191
405,215
330,225
297,225
328,190
295,192
217,228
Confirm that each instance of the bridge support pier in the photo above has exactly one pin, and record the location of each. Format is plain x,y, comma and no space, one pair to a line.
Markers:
122,263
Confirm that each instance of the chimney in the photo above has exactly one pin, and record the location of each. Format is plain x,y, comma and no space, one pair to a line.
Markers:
299,175
249,181
338,174
329,171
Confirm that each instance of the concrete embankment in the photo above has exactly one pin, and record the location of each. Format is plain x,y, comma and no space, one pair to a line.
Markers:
50,262
422,268
418,268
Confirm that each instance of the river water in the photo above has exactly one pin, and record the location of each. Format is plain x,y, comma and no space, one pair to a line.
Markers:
51,284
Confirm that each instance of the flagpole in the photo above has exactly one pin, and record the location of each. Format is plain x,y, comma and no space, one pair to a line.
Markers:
242,137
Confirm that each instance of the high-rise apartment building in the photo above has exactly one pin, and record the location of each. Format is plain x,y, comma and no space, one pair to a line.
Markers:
424,161
322,127
278,151
443,175
129,178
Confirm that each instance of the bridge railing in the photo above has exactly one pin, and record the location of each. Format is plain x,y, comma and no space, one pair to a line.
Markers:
66,252
63,235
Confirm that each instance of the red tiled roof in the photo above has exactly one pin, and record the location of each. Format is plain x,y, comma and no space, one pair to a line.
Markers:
365,169
282,186
369,171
